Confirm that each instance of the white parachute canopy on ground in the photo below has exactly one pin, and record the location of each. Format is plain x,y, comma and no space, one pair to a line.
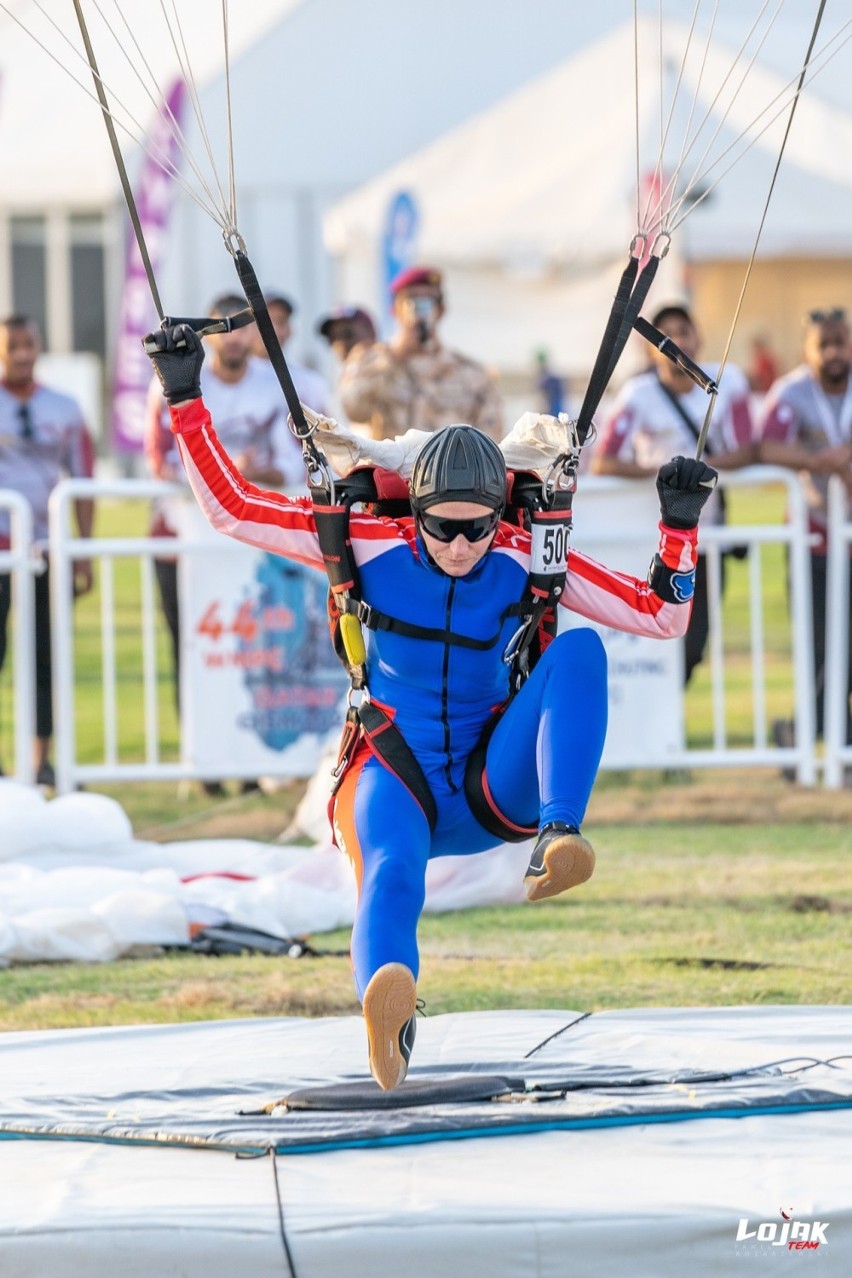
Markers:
76,885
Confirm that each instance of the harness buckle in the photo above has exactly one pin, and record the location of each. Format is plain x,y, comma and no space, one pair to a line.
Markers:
365,614
234,242
357,697
351,732
511,649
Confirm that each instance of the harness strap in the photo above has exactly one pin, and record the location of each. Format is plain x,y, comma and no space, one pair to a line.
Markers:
332,524
368,722
479,796
550,529
375,620
371,724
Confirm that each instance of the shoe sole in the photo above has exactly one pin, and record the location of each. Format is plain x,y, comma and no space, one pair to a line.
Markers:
389,1001
568,861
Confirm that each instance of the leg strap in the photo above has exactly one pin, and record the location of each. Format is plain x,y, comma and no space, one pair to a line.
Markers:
479,796
370,724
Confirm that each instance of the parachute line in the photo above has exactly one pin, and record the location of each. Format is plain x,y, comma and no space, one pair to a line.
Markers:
232,186
702,439
668,202
208,197
179,46
154,96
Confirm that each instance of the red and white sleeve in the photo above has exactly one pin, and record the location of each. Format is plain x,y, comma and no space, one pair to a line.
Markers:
234,506
627,603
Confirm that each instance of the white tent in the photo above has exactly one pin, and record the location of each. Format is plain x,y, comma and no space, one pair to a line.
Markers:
531,206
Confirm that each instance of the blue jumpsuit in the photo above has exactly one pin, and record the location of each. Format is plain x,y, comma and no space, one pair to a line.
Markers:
541,761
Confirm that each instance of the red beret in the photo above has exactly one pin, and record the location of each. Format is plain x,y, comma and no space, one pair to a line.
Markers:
422,275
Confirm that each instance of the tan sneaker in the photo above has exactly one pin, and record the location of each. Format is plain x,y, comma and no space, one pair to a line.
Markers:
562,859
390,1002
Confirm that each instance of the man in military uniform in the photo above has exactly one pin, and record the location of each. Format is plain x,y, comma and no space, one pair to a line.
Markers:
412,381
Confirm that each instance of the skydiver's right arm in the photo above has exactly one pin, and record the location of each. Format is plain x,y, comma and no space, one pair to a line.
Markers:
232,504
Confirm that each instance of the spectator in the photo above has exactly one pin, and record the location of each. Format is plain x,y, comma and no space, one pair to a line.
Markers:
42,437
807,425
310,385
253,420
412,381
550,387
659,413
346,328
762,368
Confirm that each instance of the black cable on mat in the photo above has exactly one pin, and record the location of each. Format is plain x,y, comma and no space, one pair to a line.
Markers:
285,1241
562,1029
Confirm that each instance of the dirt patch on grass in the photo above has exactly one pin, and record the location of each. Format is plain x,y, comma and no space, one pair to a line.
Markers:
263,817
734,798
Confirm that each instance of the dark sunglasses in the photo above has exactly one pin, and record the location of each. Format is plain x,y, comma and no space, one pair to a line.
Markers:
448,529
835,315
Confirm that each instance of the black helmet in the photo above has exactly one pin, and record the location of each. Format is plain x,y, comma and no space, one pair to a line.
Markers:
458,463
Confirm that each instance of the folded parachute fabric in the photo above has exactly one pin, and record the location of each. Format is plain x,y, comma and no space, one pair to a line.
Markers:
533,443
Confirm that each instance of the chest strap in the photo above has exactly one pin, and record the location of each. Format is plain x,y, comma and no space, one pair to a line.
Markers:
375,620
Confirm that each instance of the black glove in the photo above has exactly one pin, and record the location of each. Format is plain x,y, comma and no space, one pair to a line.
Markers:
177,354
684,485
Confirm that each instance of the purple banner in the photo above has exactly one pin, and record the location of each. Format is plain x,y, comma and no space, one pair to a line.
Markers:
138,315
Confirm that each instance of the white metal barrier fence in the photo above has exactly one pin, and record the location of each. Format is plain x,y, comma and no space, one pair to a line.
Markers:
838,753
22,566
105,553
64,548
792,535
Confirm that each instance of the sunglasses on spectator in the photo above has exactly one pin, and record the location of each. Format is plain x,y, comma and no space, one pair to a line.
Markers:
447,530
837,315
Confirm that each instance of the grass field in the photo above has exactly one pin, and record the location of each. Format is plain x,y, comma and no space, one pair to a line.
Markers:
725,888
677,914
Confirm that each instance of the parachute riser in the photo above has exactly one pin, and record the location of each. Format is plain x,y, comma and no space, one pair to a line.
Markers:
672,351
630,296
303,423
681,360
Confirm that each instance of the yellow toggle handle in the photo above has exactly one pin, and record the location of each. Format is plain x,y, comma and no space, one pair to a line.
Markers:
353,639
